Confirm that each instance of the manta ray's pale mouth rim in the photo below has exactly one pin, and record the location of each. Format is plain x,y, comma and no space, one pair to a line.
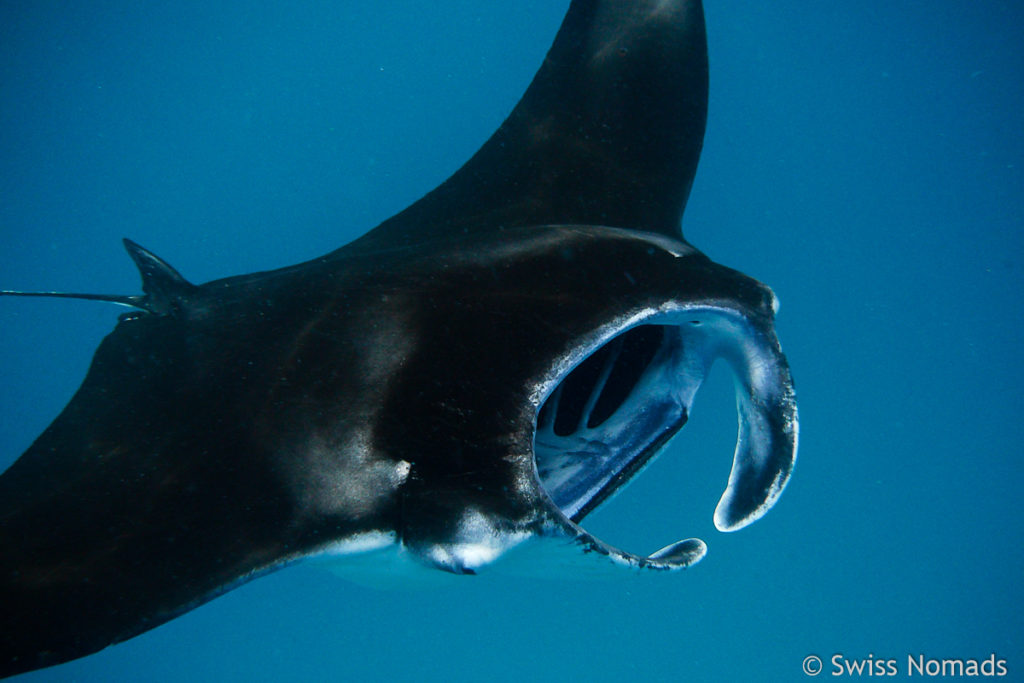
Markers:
696,335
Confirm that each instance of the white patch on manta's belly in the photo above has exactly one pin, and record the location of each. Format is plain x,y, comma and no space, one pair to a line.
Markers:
476,543
361,543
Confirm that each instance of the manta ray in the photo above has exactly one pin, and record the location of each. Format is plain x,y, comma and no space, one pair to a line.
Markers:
473,376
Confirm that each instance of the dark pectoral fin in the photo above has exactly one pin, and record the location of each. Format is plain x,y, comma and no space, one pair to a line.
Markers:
139,502
608,133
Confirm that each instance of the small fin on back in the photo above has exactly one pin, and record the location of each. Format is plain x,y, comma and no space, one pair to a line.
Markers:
164,288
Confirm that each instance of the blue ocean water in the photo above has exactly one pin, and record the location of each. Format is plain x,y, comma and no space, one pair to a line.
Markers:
863,159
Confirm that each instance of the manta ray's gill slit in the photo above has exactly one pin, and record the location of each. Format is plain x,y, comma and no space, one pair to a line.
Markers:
610,415
598,386
638,348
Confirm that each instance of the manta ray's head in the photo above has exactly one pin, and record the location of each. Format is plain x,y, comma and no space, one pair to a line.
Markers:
549,370
626,388
625,391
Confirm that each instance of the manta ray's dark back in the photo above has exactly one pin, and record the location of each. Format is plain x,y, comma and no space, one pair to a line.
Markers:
473,375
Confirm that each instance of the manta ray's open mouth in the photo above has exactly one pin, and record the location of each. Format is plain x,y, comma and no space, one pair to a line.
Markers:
617,408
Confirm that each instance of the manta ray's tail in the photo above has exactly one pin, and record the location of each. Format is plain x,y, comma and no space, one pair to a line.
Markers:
132,300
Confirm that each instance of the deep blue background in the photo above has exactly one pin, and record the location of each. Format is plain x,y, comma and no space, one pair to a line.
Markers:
864,159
